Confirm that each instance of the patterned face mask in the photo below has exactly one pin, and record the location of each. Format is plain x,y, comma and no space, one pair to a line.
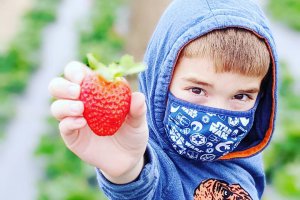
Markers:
204,133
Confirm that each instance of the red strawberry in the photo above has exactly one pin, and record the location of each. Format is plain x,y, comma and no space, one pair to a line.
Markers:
106,95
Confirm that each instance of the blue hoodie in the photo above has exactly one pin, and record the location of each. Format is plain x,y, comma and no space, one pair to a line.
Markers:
168,175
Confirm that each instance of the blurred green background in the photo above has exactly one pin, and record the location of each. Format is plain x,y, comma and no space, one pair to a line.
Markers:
34,34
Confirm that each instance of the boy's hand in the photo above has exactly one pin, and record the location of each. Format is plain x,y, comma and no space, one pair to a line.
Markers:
119,157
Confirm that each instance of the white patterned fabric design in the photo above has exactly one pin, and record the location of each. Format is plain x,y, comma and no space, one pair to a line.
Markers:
203,133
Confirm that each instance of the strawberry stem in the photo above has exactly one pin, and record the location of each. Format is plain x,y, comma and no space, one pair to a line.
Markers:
126,66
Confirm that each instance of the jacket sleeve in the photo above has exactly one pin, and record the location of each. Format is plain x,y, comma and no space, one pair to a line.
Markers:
157,180
142,188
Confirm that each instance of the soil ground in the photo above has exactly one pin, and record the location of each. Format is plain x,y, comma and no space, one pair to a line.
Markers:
144,15
143,19
10,14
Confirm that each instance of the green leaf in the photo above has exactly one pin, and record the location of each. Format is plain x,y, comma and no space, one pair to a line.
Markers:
126,66
130,67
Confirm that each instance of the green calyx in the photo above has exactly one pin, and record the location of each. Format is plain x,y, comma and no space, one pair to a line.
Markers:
125,66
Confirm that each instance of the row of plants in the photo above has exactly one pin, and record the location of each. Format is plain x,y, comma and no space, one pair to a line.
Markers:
286,11
21,58
65,175
282,158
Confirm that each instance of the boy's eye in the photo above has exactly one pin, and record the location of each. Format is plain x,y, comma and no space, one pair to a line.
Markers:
242,97
196,90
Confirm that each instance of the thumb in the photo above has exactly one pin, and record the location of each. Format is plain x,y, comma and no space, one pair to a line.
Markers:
137,113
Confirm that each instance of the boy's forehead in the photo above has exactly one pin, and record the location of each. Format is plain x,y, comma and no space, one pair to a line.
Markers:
202,70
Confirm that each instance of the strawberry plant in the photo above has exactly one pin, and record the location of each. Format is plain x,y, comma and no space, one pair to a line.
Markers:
99,34
65,176
282,157
286,11
21,57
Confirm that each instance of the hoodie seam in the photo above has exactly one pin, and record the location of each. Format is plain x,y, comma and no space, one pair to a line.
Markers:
210,9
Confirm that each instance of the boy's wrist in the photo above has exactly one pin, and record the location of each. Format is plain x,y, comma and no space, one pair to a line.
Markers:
129,176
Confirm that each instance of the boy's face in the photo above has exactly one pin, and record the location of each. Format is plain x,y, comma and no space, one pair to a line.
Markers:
194,80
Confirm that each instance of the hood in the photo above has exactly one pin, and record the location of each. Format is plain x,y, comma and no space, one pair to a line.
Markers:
182,22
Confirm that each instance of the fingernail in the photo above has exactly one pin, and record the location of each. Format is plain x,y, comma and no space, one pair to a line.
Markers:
74,90
76,107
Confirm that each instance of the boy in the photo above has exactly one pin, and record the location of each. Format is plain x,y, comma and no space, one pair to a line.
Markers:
210,95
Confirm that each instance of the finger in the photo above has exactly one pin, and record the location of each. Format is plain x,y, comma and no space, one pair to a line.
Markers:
66,108
76,71
69,129
63,89
137,113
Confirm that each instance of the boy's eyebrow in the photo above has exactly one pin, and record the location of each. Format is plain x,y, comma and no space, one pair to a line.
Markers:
251,90
196,81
